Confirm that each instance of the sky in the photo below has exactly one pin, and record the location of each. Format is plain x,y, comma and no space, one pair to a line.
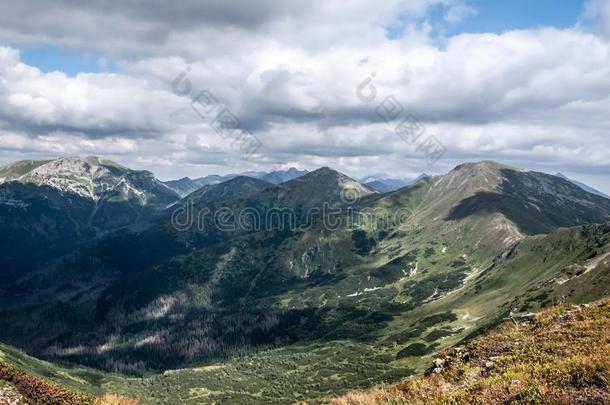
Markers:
224,86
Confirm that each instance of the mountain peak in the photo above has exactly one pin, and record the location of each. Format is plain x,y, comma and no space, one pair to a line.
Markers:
325,173
67,166
421,177
282,176
91,177
235,188
326,185
474,176
87,166
241,179
86,169
483,166
325,169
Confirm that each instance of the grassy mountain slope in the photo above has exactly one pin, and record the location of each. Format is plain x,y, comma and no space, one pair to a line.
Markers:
233,189
26,380
560,355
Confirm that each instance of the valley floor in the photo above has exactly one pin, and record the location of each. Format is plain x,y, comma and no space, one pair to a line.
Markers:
558,356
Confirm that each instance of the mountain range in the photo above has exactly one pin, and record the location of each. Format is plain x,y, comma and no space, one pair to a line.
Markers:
385,185
186,185
256,285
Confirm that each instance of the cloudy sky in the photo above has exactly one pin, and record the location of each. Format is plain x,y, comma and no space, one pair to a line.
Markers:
522,82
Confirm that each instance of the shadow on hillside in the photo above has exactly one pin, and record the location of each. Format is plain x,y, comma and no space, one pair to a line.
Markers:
516,202
490,203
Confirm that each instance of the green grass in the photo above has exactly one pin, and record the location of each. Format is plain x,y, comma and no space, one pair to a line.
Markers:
312,373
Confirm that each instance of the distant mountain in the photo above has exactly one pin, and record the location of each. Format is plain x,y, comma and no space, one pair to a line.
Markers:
183,186
282,176
384,185
186,185
92,178
326,185
233,189
213,179
371,178
419,178
274,177
48,207
40,222
583,186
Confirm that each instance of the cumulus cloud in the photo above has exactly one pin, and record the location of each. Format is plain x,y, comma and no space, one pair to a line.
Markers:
133,28
289,71
95,104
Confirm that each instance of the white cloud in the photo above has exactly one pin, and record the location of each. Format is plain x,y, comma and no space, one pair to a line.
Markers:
93,103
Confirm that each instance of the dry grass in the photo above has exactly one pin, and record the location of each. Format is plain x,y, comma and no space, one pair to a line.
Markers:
38,391
115,400
561,357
